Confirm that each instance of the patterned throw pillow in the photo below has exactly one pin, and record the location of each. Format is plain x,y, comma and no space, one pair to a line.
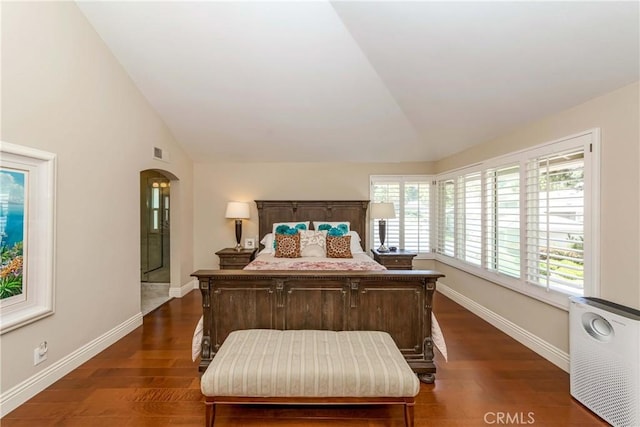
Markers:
313,243
339,247
287,246
288,228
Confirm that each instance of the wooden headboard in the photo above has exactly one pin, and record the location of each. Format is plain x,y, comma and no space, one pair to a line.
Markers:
272,211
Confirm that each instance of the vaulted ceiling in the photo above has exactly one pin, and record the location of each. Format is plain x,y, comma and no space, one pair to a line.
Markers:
378,81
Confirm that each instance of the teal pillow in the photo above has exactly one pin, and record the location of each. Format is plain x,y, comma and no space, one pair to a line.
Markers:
286,229
338,230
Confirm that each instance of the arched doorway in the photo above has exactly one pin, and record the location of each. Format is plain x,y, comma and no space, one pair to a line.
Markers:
155,239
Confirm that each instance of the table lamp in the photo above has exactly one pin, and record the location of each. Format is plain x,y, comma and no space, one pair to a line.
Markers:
382,212
238,211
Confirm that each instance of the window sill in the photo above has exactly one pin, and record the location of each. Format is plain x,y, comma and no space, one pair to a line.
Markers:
551,297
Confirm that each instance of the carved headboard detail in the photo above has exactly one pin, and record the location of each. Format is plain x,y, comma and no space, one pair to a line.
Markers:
272,211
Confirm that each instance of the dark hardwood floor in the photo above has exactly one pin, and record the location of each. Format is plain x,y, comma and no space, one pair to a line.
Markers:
148,379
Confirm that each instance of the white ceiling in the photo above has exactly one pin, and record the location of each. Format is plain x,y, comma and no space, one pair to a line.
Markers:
378,81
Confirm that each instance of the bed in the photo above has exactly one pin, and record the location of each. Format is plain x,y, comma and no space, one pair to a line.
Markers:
319,293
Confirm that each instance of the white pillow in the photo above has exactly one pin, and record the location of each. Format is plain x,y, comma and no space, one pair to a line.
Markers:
356,247
313,243
267,241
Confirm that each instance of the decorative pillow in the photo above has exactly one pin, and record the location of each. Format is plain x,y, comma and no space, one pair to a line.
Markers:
332,228
268,241
298,225
287,246
288,228
339,247
356,247
313,243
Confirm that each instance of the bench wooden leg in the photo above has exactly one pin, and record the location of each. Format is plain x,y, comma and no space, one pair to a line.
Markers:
409,413
210,413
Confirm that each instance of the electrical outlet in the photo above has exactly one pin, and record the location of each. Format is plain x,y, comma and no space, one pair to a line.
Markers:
40,353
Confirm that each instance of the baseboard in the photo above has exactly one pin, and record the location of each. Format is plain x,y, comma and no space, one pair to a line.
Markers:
184,289
24,391
524,337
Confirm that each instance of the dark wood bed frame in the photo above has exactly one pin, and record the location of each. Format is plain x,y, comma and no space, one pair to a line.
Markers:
396,301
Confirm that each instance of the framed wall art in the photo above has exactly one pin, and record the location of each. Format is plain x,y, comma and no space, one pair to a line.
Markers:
27,235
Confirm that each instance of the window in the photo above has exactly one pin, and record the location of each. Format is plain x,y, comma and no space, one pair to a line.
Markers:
502,192
158,203
411,197
470,218
525,220
555,221
27,225
446,216
155,208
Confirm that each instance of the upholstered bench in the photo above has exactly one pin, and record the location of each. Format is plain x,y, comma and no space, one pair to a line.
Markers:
265,366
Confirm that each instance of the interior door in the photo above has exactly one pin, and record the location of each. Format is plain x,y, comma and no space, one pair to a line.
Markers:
155,226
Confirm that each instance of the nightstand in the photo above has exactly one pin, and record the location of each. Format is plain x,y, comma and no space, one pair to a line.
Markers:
398,260
230,259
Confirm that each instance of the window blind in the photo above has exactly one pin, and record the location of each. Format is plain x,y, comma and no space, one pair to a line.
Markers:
502,192
469,226
387,191
411,197
526,220
446,217
555,220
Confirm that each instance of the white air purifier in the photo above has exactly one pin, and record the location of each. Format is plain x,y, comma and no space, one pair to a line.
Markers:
604,340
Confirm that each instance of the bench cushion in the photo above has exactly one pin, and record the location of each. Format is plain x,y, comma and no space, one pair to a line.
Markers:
309,363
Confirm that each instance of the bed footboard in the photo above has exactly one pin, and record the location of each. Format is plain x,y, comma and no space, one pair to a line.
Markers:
398,302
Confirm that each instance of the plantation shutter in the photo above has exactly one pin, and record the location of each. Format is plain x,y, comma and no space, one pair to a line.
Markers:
469,227
555,220
416,216
446,217
528,220
411,197
387,191
502,224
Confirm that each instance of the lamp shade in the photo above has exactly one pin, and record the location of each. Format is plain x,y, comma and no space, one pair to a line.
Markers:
383,211
237,210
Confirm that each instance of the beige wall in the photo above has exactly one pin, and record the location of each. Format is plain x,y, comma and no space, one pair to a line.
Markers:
216,184
618,116
63,92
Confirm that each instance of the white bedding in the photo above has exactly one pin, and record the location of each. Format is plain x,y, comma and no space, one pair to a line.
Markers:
360,261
